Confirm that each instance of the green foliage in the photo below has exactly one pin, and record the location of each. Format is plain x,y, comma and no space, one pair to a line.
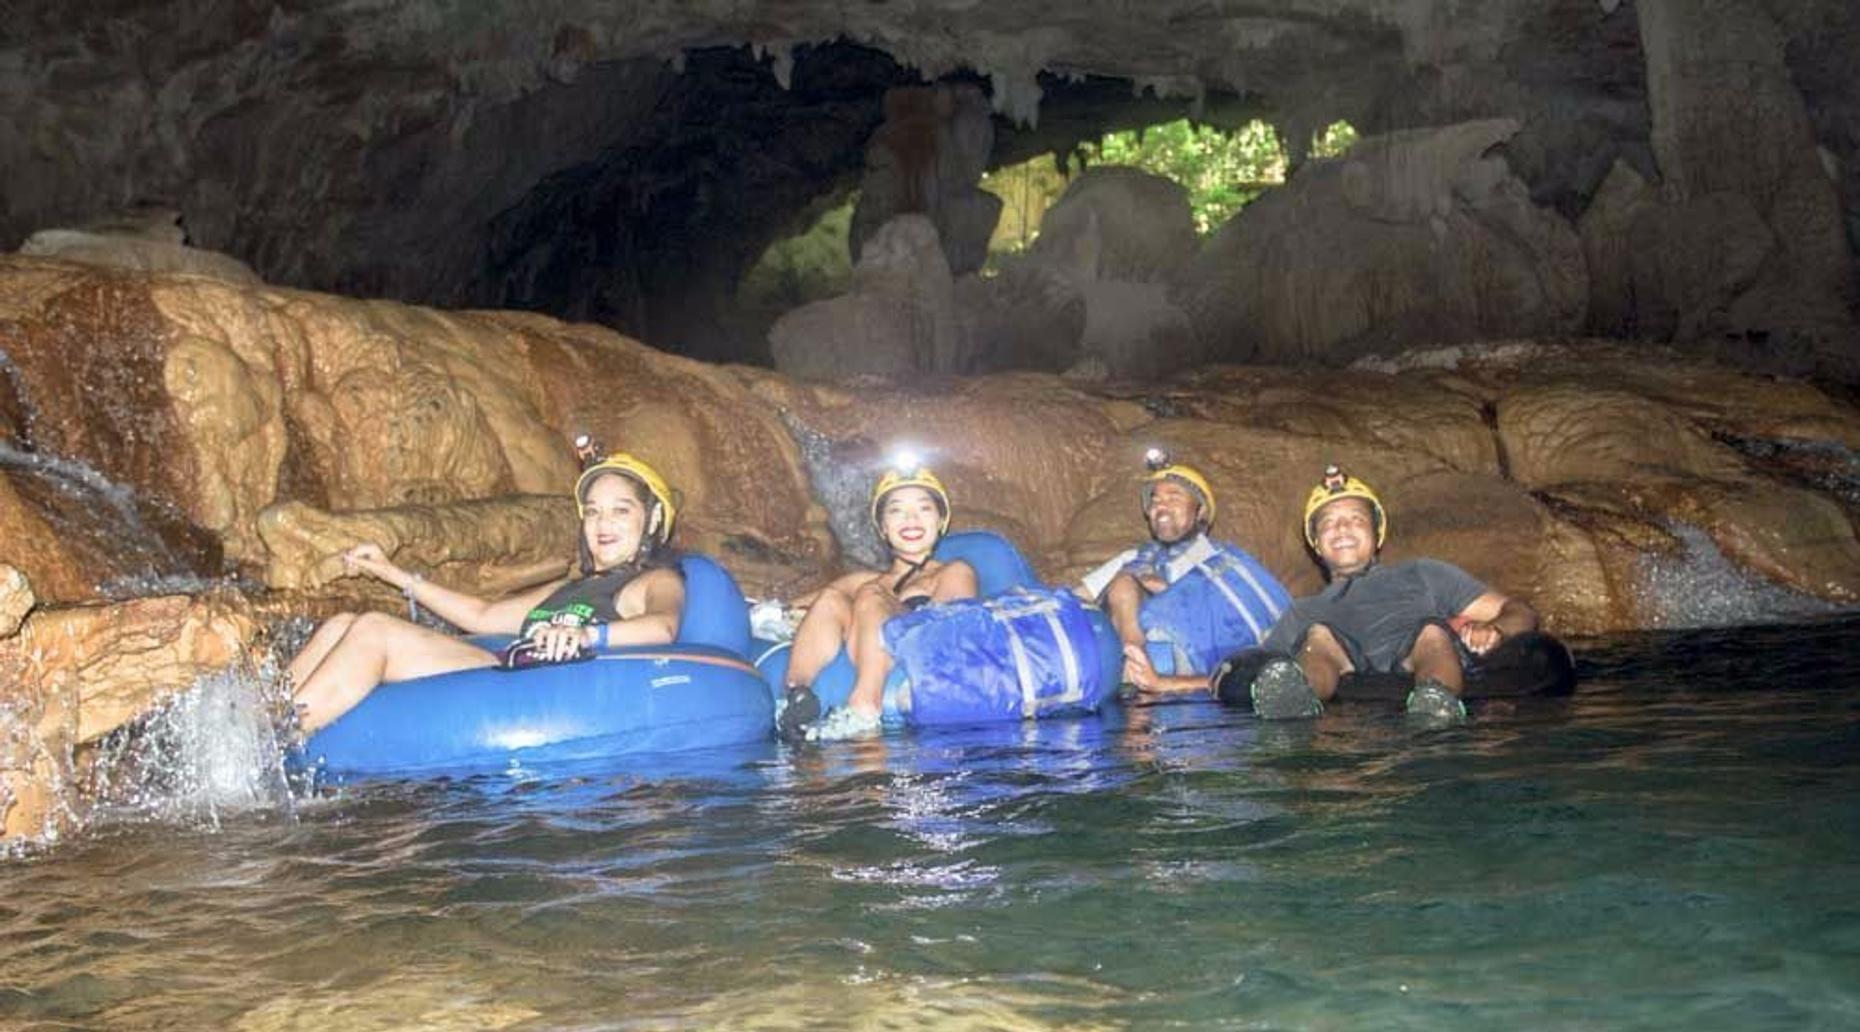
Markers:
1026,191
1221,171
1335,138
803,268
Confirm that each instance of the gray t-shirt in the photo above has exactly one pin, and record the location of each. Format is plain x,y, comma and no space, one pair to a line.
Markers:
1380,610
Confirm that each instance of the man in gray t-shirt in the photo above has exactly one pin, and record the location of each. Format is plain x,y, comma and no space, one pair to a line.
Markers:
1419,616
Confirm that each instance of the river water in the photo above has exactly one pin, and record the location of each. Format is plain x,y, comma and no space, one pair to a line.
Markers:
1676,847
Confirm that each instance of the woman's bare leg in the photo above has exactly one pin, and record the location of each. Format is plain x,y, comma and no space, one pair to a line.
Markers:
377,648
823,630
873,606
317,648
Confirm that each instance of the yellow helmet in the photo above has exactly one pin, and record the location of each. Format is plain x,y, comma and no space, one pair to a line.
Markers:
1161,469
918,477
665,509
1338,484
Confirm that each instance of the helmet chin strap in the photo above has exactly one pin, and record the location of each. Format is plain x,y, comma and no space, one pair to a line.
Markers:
912,571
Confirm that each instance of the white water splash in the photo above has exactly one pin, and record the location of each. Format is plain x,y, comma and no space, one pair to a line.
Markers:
160,572
212,752
1701,588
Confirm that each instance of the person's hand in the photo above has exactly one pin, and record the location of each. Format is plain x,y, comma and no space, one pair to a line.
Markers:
368,558
556,642
1153,583
1138,671
1481,636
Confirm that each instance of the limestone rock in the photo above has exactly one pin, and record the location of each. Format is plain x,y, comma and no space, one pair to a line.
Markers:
1118,223
16,599
486,547
1664,466
1410,237
1729,126
1578,431
1135,330
900,318
226,400
1106,249
122,252
73,675
927,158
1025,317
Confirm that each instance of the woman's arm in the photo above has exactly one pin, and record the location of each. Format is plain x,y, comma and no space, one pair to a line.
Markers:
468,612
954,581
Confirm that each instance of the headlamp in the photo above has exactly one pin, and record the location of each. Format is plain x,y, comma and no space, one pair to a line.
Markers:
906,461
588,451
1156,459
1334,479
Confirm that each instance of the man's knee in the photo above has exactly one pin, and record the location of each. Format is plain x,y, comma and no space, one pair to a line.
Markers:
1123,590
1323,641
1436,643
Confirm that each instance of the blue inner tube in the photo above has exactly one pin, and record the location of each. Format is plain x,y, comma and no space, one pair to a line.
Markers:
699,692
999,567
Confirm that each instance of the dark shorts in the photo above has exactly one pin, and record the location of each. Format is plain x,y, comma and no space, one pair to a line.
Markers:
1391,662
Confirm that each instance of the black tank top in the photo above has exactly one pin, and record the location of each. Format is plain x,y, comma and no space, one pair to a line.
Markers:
582,601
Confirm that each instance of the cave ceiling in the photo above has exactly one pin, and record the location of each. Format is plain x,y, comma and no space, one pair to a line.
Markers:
623,162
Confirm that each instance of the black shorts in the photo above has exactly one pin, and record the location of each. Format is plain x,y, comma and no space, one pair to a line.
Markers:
1362,663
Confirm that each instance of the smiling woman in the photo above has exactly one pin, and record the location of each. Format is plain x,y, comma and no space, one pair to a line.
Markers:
629,592
910,508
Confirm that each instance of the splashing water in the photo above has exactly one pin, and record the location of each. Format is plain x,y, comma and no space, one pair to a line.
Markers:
841,486
1701,588
1815,463
211,752
89,505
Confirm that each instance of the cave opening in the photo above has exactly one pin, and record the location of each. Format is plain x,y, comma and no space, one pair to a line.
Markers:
661,235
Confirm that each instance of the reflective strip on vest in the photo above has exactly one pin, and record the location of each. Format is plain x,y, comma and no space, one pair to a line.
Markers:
1023,672
1208,570
1264,596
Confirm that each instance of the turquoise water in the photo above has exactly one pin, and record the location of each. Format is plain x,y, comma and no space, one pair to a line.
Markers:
1678,847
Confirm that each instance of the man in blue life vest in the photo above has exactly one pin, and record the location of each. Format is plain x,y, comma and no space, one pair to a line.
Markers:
1182,602
1422,616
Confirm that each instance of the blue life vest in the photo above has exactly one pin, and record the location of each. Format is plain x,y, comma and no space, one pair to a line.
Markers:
1026,653
1225,602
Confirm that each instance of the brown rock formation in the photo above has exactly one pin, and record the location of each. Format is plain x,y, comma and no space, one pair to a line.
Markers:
16,599
225,400
73,675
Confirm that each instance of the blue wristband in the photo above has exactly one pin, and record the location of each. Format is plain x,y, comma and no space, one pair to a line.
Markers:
600,636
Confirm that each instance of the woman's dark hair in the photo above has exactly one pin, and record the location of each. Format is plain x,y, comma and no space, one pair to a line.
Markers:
652,554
